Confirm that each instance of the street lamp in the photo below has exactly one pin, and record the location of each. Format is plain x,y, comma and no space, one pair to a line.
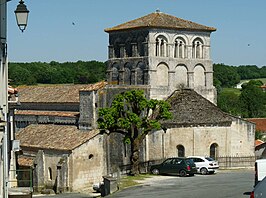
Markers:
22,15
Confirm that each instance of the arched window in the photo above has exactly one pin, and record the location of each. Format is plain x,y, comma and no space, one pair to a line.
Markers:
162,74
50,174
181,76
214,151
180,48
197,51
140,73
180,150
115,75
161,47
199,76
157,47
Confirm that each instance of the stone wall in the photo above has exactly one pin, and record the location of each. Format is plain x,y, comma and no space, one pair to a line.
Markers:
87,164
165,59
236,140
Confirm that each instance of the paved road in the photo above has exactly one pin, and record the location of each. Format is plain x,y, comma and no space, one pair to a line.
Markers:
224,184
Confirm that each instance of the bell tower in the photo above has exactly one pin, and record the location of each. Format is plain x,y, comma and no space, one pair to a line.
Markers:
162,52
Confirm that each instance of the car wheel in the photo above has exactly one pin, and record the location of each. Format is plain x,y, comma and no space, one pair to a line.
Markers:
203,171
182,173
155,171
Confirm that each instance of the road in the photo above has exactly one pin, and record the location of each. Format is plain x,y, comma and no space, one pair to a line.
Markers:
224,184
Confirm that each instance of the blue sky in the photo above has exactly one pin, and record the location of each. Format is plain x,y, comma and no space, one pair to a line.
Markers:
51,36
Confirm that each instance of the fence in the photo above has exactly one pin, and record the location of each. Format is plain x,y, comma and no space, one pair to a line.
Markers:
225,162
236,161
23,178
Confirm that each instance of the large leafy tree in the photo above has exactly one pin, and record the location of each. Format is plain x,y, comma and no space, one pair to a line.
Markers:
252,100
134,116
226,75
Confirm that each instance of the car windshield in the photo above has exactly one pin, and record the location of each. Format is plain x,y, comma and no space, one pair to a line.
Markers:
189,161
209,159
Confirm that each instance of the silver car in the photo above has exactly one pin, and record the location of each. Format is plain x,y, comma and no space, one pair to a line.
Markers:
205,165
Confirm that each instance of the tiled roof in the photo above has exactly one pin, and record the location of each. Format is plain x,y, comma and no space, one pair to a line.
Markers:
55,93
56,137
160,20
260,123
191,109
25,161
258,142
48,113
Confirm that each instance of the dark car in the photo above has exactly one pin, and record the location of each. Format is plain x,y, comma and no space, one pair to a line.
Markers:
175,166
259,190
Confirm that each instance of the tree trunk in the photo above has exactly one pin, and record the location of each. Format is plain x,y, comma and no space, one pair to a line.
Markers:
135,147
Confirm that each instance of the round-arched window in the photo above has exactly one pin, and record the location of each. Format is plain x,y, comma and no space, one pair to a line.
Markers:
214,151
180,150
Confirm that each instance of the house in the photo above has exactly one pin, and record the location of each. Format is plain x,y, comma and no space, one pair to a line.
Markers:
63,158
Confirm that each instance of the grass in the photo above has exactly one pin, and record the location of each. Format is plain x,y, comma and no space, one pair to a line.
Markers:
231,90
261,79
128,181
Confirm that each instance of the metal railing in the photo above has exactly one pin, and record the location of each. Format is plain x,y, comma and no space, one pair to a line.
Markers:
23,179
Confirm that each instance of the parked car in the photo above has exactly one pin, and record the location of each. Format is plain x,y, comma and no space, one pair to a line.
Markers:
205,165
259,190
175,166
260,170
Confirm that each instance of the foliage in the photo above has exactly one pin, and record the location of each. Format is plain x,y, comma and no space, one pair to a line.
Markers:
259,135
229,102
252,101
226,75
134,116
56,73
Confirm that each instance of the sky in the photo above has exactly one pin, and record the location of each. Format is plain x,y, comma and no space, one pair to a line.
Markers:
72,30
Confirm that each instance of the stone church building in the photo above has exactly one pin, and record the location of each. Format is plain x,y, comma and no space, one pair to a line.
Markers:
164,52
168,58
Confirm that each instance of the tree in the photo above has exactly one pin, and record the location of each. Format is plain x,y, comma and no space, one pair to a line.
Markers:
252,101
227,75
229,102
133,116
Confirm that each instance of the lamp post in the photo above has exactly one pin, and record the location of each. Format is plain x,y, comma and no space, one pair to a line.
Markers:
21,16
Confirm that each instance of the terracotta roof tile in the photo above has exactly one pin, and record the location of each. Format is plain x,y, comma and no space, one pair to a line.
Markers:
160,20
25,161
260,123
258,142
48,113
57,137
55,93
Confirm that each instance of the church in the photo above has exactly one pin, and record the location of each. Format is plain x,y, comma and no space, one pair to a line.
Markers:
168,58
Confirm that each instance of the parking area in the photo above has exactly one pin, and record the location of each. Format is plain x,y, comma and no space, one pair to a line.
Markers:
223,184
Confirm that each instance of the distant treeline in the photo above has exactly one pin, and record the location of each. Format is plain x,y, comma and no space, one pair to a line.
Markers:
82,72
79,72
229,76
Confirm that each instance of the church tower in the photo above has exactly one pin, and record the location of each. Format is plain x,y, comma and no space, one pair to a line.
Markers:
162,52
